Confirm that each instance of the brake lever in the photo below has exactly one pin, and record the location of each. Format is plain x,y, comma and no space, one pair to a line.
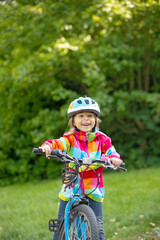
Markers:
121,168
54,156
112,167
60,155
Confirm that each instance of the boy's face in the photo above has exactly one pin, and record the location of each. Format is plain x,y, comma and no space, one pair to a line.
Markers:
85,121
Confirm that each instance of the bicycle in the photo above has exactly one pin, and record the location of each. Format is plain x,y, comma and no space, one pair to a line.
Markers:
79,219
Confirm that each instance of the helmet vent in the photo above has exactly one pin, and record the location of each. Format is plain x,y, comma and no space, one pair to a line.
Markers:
79,102
93,102
86,101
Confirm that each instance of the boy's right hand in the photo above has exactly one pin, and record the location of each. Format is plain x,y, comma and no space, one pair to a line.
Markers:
46,149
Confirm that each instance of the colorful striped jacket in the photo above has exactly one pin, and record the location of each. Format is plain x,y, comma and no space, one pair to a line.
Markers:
79,145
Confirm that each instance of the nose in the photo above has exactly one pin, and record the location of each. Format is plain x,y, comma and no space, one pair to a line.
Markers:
86,118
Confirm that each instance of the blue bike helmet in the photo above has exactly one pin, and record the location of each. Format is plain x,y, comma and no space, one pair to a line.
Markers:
83,104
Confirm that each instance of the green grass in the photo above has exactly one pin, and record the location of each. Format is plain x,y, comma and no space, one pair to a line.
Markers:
131,207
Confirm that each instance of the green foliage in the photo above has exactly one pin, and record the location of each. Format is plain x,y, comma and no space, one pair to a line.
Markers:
52,52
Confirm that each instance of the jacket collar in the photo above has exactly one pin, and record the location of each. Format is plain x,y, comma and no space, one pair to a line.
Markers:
82,136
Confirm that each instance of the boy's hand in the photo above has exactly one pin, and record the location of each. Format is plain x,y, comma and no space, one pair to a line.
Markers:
46,149
115,161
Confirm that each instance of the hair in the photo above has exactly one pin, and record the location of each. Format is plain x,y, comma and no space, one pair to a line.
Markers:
70,122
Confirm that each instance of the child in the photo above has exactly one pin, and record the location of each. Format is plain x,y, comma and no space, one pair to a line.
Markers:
85,140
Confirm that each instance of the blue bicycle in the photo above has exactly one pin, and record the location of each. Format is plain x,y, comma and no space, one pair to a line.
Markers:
79,221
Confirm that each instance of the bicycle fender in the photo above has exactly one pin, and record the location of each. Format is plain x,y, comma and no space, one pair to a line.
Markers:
73,202
79,202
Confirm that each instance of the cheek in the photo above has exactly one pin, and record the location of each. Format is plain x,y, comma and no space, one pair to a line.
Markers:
75,122
93,121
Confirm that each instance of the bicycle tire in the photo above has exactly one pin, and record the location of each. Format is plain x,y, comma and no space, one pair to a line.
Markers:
88,218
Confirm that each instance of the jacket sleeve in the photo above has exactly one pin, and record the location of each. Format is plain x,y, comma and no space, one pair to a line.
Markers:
108,149
62,144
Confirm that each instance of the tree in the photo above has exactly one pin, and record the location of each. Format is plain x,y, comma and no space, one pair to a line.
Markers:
52,52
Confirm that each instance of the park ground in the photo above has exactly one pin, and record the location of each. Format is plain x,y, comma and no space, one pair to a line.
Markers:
131,207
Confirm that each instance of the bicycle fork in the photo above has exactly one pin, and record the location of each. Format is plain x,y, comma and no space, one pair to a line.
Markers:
82,231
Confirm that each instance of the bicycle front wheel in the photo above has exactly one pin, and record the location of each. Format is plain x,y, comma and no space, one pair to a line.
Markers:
82,224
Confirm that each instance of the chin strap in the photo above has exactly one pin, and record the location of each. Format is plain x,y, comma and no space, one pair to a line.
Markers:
76,129
93,129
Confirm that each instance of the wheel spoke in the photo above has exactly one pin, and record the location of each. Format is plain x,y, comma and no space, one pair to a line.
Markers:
80,228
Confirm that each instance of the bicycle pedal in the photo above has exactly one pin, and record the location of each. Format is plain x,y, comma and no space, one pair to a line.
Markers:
54,225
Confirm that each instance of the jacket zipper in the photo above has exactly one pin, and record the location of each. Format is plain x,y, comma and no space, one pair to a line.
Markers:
87,136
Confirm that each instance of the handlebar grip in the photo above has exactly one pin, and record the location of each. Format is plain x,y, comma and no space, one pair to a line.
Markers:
38,151
56,152
122,164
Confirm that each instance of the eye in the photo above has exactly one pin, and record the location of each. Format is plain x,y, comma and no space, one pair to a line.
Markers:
90,115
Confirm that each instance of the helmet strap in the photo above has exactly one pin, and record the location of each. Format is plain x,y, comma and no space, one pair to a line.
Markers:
77,130
74,125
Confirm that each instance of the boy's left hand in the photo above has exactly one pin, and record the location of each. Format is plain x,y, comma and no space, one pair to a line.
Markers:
115,161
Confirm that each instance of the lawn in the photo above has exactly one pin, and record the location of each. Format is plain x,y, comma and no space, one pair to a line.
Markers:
131,207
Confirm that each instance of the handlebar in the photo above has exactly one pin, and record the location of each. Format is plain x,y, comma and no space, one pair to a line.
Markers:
63,157
38,151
